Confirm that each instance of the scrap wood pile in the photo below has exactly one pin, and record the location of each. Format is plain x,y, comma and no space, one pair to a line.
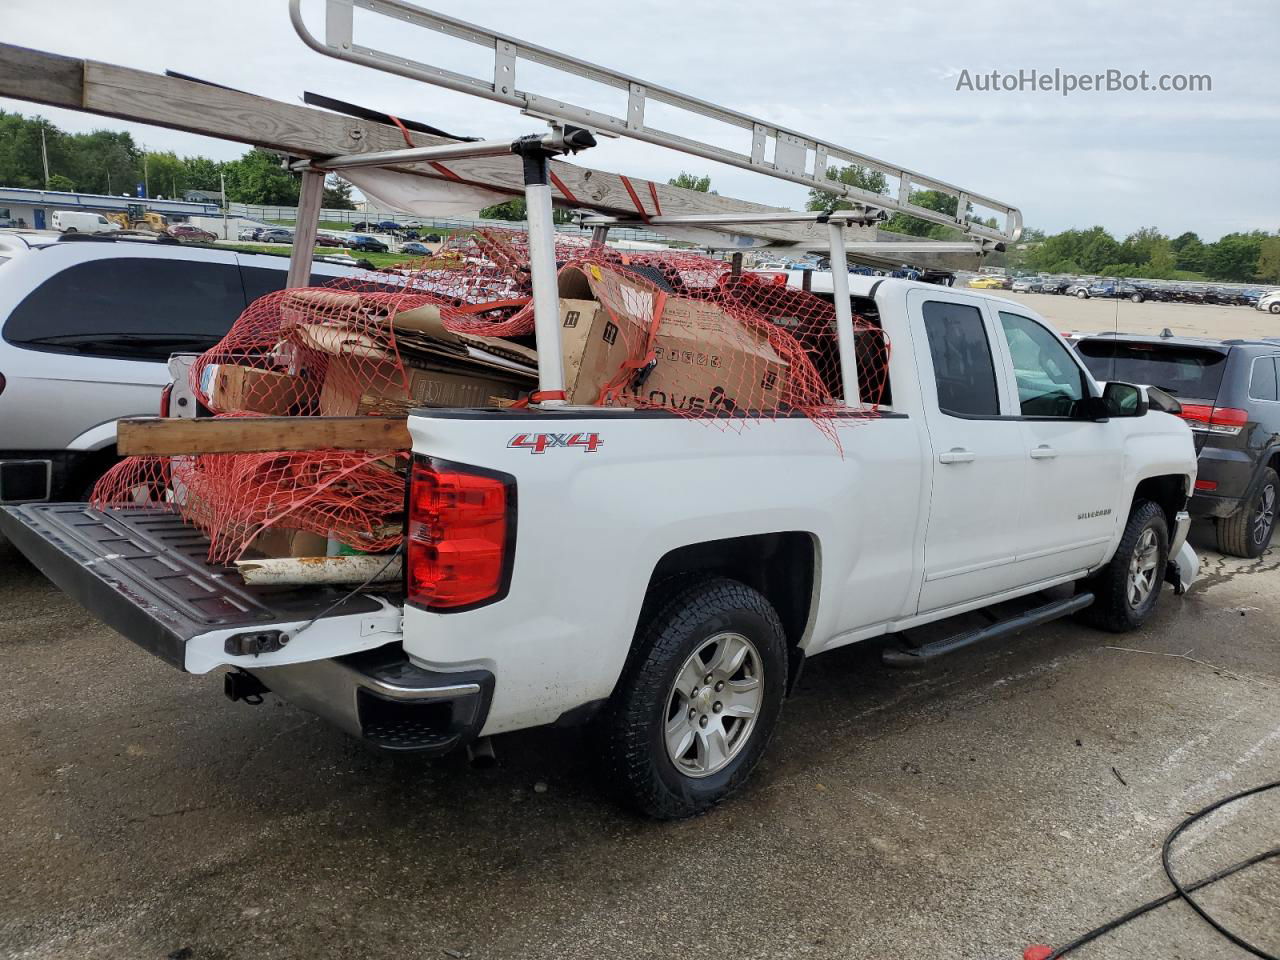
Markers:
666,330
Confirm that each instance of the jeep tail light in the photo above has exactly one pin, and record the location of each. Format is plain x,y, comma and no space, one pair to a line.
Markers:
461,535
166,395
1225,421
1206,484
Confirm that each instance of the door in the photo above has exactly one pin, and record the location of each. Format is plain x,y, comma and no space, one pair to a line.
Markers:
979,457
1072,497
38,214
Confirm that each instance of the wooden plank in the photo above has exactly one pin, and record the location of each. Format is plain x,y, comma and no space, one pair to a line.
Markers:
167,437
137,95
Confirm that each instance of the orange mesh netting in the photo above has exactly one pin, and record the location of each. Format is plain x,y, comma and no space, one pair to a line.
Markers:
667,330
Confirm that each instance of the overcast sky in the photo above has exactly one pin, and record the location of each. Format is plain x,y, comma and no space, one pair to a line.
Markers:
878,78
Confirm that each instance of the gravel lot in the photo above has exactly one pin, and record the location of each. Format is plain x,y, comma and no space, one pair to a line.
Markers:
1015,793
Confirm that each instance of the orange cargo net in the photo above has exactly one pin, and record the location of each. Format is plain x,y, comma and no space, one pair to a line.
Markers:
662,330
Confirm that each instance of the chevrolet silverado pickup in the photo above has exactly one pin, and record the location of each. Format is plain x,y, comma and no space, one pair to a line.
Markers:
663,581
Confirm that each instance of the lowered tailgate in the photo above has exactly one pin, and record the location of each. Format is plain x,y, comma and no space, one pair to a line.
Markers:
143,572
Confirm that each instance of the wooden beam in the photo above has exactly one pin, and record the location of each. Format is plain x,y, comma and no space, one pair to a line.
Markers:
128,94
168,437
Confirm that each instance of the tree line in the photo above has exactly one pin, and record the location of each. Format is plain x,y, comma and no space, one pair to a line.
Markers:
1240,257
111,162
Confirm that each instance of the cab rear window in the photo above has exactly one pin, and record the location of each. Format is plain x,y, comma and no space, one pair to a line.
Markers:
1185,371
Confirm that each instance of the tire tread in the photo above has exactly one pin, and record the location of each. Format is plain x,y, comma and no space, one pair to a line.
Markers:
625,761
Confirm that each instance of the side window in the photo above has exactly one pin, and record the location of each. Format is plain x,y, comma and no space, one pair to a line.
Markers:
962,364
1262,382
1049,380
129,308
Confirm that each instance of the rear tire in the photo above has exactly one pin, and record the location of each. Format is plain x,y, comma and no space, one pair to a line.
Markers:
1127,589
673,745
1274,308
1082,294
1247,533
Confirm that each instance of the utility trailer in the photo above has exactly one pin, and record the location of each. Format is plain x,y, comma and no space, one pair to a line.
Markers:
633,568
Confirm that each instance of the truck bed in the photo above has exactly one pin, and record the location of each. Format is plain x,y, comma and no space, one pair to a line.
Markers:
144,573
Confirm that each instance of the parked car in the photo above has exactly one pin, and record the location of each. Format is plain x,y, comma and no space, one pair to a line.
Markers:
82,221
1025,285
986,281
249,233
367,244
1113,290
276,235
1269,302
329,240
86,329
388,226
431,238
190,233
1229,398
673,618
415,247
362,226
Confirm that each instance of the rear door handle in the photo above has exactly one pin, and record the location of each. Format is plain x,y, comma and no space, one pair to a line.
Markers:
956,455
1043,452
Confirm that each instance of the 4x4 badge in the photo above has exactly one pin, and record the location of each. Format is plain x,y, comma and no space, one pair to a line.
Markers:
542,442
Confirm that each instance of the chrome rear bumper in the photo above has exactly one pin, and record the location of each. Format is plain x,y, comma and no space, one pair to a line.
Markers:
383,699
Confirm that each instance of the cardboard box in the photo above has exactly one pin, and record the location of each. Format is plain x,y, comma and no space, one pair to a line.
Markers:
252,390
705,360
275,542
353,388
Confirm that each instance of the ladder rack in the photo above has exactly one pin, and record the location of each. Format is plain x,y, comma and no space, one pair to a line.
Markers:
775,151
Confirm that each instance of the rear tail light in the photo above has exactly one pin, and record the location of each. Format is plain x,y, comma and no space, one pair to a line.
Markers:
1206,485
1226,421
165,396
461,535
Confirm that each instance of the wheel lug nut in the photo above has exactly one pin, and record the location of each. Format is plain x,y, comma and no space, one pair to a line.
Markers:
692,713
707,679
695,692
718,706
702,720
719,685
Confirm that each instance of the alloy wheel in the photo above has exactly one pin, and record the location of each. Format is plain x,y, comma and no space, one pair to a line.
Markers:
1265,515
1143,572
713,704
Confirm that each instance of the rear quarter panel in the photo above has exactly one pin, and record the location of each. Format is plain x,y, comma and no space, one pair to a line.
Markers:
592,527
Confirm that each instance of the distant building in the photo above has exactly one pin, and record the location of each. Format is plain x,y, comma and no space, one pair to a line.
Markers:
203,196
20,207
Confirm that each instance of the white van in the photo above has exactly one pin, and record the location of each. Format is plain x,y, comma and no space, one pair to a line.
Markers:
80,221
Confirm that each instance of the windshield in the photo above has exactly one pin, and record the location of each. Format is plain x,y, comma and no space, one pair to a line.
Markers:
1184,371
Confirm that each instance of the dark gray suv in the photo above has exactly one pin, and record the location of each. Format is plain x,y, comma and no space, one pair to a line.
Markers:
1230,399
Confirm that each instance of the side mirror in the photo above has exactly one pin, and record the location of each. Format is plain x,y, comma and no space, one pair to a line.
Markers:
1125,400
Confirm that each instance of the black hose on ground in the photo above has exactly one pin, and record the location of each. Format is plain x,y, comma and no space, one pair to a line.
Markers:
1180,891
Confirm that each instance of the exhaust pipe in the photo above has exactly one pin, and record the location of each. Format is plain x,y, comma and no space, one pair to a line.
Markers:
480,753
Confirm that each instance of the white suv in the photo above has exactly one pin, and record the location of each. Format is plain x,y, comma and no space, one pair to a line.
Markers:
86,328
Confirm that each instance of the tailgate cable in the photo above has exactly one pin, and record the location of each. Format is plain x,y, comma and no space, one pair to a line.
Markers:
343,599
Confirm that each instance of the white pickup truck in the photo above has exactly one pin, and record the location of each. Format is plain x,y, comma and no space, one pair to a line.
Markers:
663,580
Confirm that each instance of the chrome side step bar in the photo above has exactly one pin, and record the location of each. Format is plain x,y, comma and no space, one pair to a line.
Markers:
913,656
